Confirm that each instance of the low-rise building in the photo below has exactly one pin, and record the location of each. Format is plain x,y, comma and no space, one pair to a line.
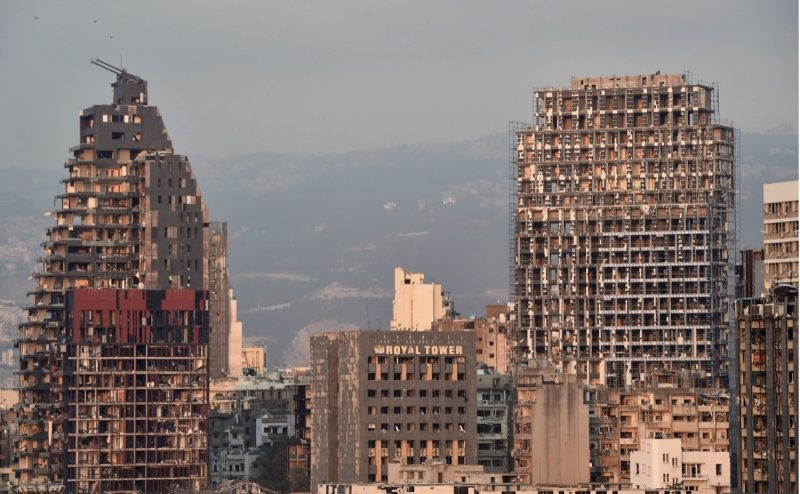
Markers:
472,488
621,418
495,409
270,427
662,463
551,423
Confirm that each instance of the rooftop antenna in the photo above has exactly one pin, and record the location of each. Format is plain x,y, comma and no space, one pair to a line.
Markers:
367,300
105,65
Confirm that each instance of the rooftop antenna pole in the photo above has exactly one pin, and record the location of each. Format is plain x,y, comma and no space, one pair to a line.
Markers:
107,66
367,300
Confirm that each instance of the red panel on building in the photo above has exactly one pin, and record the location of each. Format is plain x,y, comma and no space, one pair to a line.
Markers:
113,316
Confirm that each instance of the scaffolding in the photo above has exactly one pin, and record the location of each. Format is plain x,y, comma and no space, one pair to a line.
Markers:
623,228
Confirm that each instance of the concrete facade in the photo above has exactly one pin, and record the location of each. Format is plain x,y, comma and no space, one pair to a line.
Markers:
623,223
551,423
781,233
416,304
136,386
767,391
495,412
218,305
661,463
254,360
131,216
381,395
234,337
560,434
494,343
676,409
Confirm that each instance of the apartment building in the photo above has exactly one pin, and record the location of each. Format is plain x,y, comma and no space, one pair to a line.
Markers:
623,225
494,342
136,387
663,464
781,232
384,395
621,419
767,391
416,304
131,217
495,412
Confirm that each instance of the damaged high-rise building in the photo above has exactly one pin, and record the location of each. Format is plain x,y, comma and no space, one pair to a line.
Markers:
114,362
623,224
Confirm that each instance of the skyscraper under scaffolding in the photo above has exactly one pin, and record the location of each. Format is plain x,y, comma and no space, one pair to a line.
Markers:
623,221
114,355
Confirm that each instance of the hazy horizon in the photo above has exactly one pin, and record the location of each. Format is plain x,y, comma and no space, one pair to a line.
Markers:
319,77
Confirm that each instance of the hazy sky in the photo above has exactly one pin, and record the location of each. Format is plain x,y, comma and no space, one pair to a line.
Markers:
323,76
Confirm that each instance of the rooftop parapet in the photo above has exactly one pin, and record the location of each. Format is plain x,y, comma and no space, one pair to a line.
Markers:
643,80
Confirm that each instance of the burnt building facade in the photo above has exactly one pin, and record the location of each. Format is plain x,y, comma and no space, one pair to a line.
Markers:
623,221
381,396
136,389
766,392
131,216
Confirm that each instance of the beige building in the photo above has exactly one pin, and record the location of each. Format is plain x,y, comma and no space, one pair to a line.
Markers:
620,419
254,360
623,216
436,472
416,304
780,232
551,425
662,463
234,338
494,345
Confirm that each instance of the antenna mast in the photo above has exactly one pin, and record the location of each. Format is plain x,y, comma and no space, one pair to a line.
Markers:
107,66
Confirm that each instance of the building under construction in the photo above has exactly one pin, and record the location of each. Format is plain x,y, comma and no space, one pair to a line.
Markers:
113,383
623,222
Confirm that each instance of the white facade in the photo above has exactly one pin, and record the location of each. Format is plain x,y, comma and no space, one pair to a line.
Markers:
416,304
269,426
234,339
661,463
233,464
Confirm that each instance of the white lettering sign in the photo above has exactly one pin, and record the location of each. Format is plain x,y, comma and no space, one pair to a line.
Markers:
418,349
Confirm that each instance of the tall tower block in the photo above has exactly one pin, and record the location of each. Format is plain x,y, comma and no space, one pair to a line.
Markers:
623,224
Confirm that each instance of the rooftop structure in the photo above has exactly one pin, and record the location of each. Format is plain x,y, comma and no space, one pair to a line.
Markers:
623,222
416,304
